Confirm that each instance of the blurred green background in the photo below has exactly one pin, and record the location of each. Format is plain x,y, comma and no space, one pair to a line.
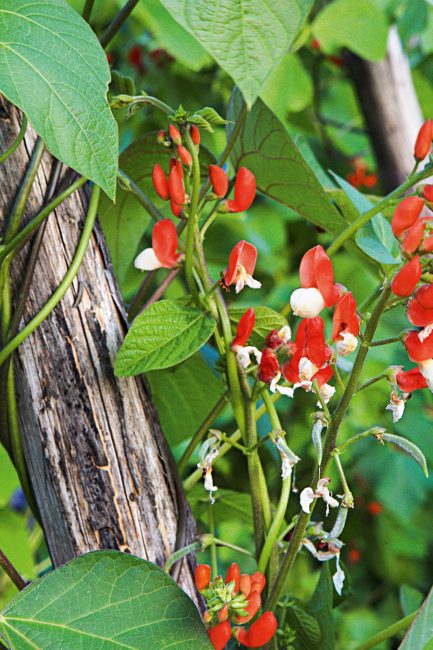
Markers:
388,540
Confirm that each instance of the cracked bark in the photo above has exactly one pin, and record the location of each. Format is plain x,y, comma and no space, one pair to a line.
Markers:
100,468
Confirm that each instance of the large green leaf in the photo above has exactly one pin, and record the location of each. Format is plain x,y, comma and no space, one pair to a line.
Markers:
420,633
290,74
266,148
320,607
101,601
360,26
247,39
163,336
53,68
197,391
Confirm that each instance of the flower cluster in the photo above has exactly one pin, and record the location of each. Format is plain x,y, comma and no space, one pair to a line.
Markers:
233,603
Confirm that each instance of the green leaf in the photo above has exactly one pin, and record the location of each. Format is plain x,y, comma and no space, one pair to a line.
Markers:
266,320
420,633
229,505
197,391
410,599
320,607
266,148
360,26
53,68
163,336
246,39
211,116
307,629
408,448
9,478
108,600
15,542
291,74
375,238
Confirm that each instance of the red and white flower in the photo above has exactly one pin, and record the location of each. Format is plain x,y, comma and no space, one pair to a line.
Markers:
242,262
345,325
163,252
243,332
420,310
318,289
421,351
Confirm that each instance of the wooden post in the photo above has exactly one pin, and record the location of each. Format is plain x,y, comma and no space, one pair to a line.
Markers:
102,473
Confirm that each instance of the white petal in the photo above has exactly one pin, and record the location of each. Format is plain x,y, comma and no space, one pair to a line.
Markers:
147,260
322,486
425,332
242,356
327,392
252,283
426,369
306,369
307,303
309,546
338,578
346,344
306,498
285,390
397,408
240,283
285,333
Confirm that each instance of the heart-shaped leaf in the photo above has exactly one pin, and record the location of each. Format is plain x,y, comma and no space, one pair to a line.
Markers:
247,39
104,599
162,336
53,68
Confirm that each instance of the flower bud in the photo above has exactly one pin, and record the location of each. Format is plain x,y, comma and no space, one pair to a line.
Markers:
175,208
234,575
202,576
307,303
244,192
175,134
195,134
407,278
175,186
406,213
245,584
269,366
427,192
184,155
424,140
223,614
219,180
413,237
160,183
220,635
245,328
260,632
273,340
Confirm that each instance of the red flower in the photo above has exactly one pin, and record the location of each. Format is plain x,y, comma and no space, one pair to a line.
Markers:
135,58
345,324
413,237
202,576
220,635
254,604
163,251
417,313
427,192
184,155
260,632
317,282
175,185
195,134
245,191
245,328
410,380
310,346
219,180
419,350
269,366
160,183
242,262
234,575
423,140
175,134
407,278
406,213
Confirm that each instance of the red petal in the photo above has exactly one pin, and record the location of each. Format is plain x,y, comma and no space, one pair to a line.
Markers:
423,140
413,237
175,186
419,350
254,604
310,341
234,574
220,635
245,327
406,213
324,375
316,271
269,366
427,192
260,632
245,189
410,380
345,317
164,243
424,295
248,257
419,315
219,181
160,182
407,278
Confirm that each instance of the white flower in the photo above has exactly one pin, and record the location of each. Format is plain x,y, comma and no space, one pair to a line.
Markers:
396,405
243,354
288,458
147,260
208,453
307,303
283,390
426,369
346,344
243,278
327,392
308,496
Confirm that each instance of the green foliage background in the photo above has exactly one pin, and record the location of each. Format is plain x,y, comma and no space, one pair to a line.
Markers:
315,101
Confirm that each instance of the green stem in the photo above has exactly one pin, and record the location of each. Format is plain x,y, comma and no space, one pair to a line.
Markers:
11,571
374,431
20,137
365,218
201,432
392,339
23,235
254,476
370,382
388,632
129,185
337,417
273,534
192,219
181,553
233,547
64,285
213,548
117,23
348,501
